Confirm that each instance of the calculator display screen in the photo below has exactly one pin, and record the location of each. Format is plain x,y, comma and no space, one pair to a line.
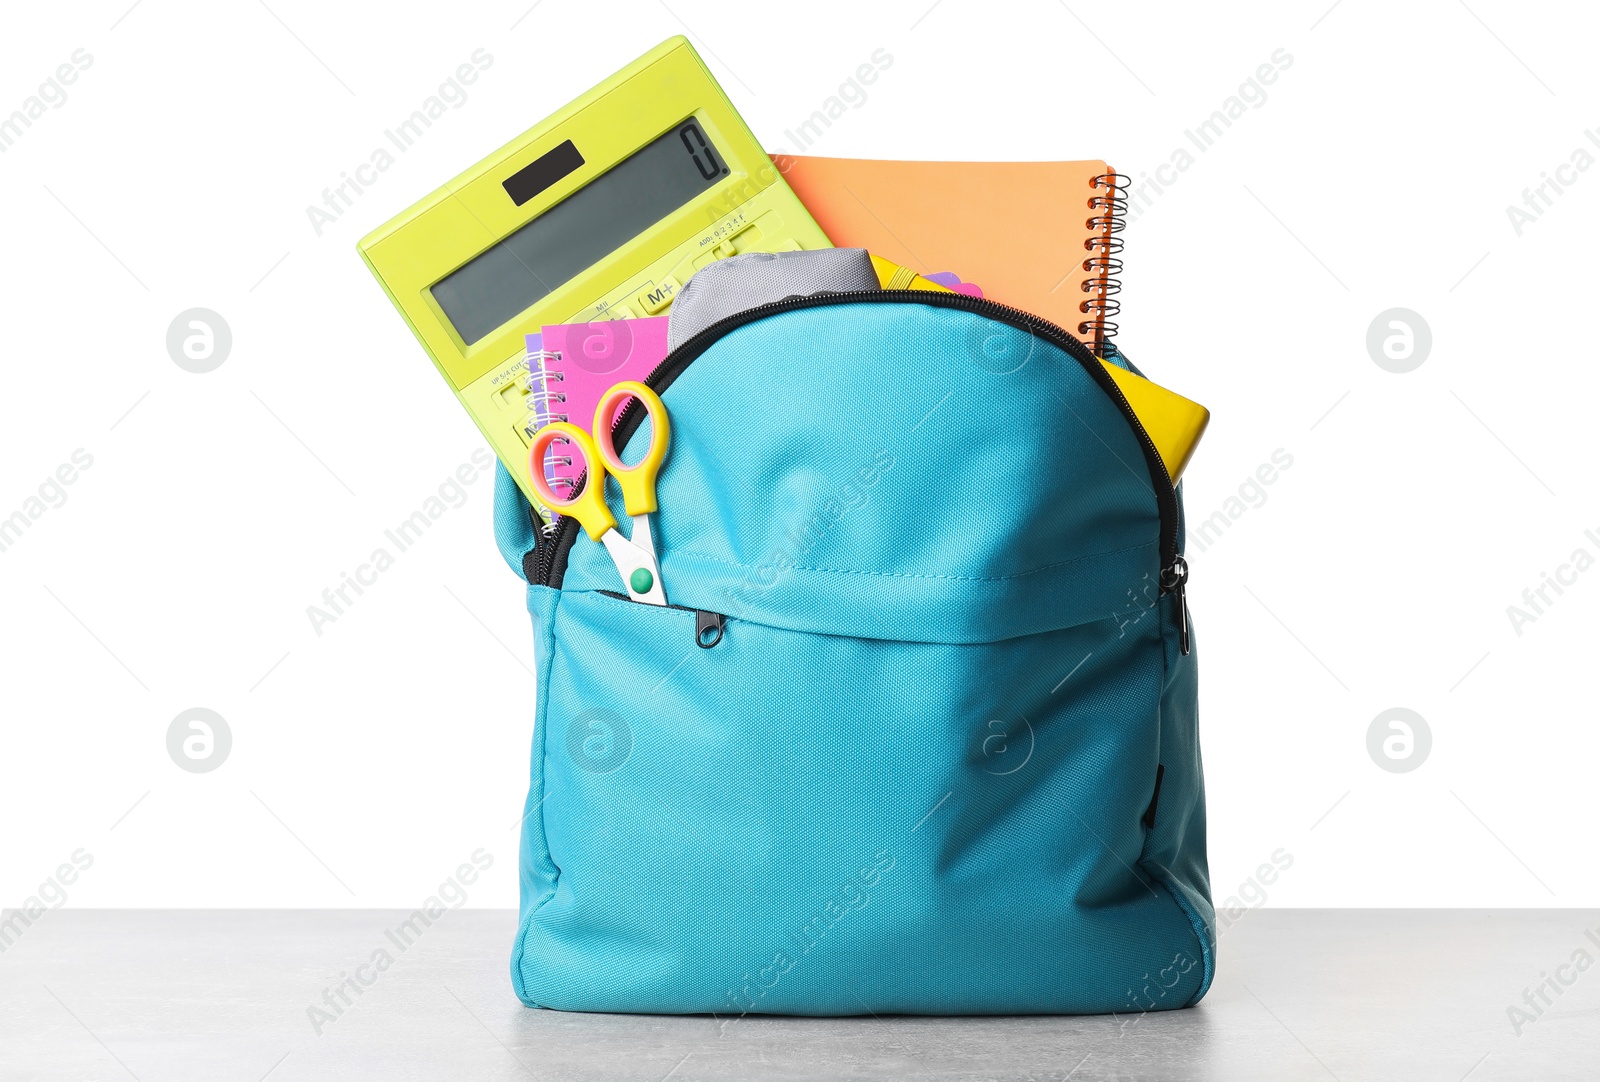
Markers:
579,231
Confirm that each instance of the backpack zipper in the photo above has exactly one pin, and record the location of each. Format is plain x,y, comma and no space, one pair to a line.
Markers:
708,625
550,557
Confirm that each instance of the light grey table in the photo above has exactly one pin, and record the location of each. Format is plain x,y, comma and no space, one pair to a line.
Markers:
1300,994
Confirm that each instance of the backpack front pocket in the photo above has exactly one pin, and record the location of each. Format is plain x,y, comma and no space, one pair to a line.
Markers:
804,823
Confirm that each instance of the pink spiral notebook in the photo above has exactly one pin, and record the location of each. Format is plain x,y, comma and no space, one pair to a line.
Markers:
579,362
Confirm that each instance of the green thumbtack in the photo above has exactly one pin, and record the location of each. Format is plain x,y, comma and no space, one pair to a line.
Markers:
641,580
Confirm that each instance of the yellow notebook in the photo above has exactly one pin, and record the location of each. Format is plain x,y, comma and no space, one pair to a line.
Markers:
894,276
1175,423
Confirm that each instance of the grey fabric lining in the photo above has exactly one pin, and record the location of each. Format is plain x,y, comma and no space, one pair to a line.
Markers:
744,281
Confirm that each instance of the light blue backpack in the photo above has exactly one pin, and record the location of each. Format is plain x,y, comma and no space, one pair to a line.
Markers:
917,733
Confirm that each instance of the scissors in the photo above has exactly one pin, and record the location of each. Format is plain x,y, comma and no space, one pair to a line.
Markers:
636,557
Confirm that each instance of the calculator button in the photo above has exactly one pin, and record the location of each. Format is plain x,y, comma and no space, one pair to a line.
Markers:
659,296
512,396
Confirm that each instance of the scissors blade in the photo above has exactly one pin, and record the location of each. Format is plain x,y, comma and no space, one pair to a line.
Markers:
642,538
631,559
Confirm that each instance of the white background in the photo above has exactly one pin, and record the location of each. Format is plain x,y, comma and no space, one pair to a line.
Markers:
369,761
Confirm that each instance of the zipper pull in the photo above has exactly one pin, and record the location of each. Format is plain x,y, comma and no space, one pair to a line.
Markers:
708,628
1173,580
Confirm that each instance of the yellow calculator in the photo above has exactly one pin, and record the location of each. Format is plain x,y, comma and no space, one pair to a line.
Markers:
602,211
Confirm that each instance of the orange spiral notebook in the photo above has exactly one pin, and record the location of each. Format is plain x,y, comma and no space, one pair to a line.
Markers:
1040,236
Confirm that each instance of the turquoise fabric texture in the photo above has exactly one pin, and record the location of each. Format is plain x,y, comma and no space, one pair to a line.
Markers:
918,773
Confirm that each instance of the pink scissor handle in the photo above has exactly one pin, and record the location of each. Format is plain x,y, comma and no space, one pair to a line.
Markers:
588,505
542,439
638,482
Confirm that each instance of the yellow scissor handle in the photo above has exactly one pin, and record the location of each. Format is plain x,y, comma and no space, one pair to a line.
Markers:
638,482
589,506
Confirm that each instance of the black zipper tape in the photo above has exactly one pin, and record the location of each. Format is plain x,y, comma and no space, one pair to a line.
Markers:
550,557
